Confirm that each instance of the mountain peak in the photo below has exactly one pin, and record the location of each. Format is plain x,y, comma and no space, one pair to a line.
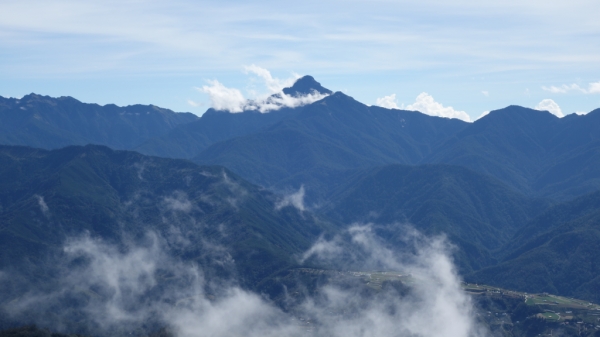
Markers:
304,86
32,96
516,113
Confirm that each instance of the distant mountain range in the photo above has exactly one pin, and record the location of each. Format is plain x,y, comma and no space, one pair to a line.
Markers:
532,151
51,123
515,191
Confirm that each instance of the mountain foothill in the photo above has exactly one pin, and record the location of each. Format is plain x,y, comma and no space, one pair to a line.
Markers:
516,192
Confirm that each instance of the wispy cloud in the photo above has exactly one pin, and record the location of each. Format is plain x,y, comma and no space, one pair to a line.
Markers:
178,202
193,103
295,199
438,306
127,288
232,100
187,32
43,206
593,88
274,85
237,192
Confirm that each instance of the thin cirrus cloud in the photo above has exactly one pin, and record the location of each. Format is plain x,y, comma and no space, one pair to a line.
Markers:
73,42
593,88
426,104
193,103
217,33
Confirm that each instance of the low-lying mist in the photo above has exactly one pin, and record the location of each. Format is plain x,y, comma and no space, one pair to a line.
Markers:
142,287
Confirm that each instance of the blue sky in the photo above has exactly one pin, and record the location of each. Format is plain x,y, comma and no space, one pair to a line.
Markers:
473,56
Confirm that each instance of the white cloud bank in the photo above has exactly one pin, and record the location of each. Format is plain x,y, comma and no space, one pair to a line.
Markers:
550,106
232,100
143,283
223,98
593,88
438,306
427,105
553,107
388,102
424,103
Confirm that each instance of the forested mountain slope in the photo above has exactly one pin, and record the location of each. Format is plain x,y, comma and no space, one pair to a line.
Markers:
47,197
477,213
557,252
326,140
